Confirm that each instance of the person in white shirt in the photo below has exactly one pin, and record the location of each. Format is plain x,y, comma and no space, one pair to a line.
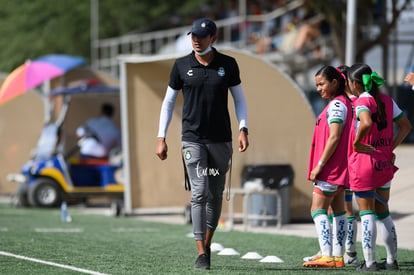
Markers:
99,135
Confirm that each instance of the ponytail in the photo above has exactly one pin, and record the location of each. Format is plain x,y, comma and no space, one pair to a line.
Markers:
371,84
370,81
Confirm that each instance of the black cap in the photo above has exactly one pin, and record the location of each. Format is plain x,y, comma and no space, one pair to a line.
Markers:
203,27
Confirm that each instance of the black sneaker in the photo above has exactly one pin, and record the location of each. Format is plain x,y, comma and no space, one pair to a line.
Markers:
202,262
387,266
363,267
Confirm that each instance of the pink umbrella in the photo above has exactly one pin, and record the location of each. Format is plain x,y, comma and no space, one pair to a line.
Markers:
33,73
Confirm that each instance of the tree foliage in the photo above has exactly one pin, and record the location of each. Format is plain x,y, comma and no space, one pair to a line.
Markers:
370,13
32,28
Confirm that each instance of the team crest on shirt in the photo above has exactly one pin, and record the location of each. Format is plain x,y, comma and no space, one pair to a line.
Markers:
221,72
187,155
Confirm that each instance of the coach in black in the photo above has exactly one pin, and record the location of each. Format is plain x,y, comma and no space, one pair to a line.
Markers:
205,76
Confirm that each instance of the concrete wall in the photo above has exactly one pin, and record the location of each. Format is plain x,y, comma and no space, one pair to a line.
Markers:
21,121
280,129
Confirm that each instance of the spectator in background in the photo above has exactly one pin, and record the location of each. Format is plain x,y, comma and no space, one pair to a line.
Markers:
282,40
308,32
298,34
227,10
99,135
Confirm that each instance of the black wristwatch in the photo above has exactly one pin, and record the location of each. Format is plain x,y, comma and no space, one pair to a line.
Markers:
244,129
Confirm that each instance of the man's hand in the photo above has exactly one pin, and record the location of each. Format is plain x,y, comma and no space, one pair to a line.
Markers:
243,141
410,78
162,149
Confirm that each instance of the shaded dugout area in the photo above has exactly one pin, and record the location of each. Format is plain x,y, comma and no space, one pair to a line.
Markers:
22,120
281,123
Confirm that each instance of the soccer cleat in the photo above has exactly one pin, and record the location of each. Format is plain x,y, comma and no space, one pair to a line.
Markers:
387,266
202,262
323,261
363,267
339,261
313,257
351,258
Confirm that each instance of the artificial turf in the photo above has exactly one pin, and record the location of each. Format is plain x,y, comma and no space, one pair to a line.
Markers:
99,244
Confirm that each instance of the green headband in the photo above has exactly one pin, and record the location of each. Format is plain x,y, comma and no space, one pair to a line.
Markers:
368,78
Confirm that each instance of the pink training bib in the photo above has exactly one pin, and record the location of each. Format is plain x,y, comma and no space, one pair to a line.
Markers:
368,171
335,170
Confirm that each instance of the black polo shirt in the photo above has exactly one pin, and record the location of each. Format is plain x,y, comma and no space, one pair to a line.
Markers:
205,89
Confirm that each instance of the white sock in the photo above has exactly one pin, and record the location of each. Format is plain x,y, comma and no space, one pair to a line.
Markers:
368,236
323,230
389,236
351,234
338,235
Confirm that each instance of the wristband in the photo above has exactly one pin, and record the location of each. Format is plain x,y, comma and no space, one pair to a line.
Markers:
244,129
321,164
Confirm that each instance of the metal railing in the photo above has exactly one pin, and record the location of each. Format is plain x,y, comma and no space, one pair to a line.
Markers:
106,51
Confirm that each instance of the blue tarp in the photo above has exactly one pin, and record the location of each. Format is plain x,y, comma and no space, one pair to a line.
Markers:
85,89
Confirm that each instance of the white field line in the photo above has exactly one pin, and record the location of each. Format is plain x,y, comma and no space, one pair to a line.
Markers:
51,263
134,229
58,230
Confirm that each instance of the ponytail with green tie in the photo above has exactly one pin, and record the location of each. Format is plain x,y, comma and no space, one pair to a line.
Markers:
368,78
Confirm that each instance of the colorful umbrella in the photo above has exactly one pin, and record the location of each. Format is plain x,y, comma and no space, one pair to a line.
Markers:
34,72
